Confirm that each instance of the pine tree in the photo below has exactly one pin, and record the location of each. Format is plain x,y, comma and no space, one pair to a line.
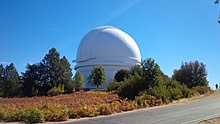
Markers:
31,80
1,78
10,85
50,73
52,69
151,72
1,70
66,75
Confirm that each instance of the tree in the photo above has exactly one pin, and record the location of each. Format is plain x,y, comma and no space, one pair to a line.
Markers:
151,71
57,71
191,74
79,81
121,75
136,70
217,2
1,70
52,65
52,72
1,78
66,75
131,87
97,76
31,80
10,84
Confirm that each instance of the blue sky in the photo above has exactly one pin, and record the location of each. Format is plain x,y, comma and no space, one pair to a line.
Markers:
169,31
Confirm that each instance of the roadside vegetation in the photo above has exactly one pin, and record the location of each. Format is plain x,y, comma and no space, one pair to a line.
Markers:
46,91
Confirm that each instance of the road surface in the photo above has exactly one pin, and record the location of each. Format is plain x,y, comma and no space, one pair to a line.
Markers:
179,113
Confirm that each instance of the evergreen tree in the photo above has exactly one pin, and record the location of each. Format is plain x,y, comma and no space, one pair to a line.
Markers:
79,81
151,72
66,75
97,76
1,70
50,73
10,85
31,80
191,74
217,2
1,78
52,68
136,70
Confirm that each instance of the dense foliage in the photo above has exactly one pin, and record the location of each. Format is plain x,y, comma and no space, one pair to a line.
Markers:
79,81
9,81
39,78
191,74
202,90
217,2
147,78
121,75
97,76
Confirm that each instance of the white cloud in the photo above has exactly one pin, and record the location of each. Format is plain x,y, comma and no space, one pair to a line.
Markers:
5,63
115,13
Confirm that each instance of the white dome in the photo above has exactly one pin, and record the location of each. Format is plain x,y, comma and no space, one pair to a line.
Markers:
107,46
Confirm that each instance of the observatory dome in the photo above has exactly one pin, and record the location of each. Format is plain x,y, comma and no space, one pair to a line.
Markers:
107,46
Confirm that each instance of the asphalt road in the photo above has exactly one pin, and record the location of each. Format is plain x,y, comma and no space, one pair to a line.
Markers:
180,113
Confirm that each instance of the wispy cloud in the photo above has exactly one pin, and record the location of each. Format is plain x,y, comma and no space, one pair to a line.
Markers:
49,26
115,13
5,63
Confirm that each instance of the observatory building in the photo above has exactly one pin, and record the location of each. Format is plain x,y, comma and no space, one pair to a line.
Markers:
109,47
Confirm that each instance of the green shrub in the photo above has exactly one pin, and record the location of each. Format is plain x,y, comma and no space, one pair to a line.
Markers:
56,90
202,89
2,113
121,75
10,115
115,105
22,115
175,94
87,111
159,92
73,113
55,112
146,100
139,101
187,93
35,116
127,105
130,88
169,89
113,86
105,109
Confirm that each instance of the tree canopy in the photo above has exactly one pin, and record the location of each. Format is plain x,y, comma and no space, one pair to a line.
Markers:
191,74
217,2
121,75
97,76
148,78
10,82
52,72
79,81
